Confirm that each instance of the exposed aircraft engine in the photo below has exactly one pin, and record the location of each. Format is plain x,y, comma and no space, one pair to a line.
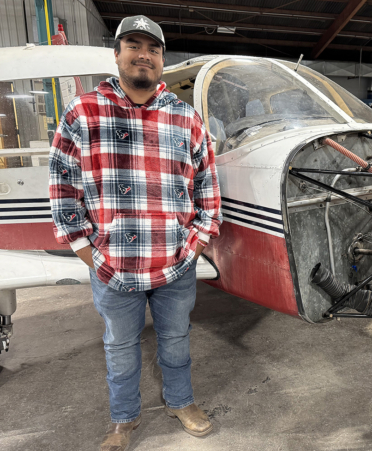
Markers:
361,300
331,192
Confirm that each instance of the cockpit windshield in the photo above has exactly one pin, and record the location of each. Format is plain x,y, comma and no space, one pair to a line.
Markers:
352,106
247,99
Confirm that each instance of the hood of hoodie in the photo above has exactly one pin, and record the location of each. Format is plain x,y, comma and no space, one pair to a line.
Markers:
112,90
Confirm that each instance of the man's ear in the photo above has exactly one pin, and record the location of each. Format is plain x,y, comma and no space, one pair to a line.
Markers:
116,56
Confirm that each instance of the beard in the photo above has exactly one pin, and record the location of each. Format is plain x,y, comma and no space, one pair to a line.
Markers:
141,81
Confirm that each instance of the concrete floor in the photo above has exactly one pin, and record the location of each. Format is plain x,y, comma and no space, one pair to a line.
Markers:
268,381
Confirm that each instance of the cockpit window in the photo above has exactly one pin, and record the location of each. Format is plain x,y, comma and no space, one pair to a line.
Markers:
352,106
301,103
248,99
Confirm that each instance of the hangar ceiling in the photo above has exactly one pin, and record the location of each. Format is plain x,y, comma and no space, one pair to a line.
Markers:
320,29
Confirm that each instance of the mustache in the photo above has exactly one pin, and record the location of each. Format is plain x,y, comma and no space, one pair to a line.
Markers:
151,66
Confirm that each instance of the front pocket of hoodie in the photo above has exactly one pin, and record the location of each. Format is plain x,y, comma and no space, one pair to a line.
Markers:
142,241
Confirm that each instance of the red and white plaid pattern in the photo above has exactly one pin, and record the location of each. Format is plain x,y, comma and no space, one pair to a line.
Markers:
139,182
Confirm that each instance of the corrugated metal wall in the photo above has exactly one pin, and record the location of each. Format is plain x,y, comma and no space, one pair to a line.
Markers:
76,20
83,24
96,25
12,23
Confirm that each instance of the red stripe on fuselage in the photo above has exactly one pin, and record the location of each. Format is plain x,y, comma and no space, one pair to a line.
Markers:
34,236
254,266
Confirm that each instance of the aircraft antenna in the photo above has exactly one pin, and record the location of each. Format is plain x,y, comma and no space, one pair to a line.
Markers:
298,62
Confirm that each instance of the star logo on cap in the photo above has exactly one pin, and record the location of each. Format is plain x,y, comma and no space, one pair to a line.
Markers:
142,24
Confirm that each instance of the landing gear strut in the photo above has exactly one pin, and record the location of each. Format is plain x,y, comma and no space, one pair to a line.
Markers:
6,331
8,305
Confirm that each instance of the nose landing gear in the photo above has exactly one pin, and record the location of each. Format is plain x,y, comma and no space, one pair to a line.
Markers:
6,331
8,305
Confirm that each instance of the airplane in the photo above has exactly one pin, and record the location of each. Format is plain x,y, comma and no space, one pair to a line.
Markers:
293,152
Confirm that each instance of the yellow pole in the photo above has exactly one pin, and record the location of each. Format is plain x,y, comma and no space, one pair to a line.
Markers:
50,43
16,121
1,141
16,117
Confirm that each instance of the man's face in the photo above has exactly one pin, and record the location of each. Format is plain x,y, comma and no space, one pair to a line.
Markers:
140,61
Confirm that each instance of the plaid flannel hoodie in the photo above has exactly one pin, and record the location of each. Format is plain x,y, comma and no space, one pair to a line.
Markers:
139,182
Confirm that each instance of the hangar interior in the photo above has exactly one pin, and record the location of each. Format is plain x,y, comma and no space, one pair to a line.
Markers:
268,381
333,44
193,29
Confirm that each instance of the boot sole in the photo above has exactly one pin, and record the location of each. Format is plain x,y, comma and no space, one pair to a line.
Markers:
189,431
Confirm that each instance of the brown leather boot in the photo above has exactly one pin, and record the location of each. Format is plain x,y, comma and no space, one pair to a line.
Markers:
193,419
118,436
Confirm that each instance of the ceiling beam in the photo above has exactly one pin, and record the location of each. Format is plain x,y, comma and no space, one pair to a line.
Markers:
164,20
265,42
270,42
352,7
222,7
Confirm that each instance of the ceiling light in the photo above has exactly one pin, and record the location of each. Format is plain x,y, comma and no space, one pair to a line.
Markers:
2,115
38,92
19,96
228,30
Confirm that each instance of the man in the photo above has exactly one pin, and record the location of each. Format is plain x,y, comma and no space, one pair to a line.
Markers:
134,190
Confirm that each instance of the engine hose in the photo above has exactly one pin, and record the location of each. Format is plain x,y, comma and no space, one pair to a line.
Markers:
361,301
347,153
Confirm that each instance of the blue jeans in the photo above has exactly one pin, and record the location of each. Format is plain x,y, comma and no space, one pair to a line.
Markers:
124,316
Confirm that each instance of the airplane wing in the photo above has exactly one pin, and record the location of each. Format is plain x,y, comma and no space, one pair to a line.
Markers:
26,269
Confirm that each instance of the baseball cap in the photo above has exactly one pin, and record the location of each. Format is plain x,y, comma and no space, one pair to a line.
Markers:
140,24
